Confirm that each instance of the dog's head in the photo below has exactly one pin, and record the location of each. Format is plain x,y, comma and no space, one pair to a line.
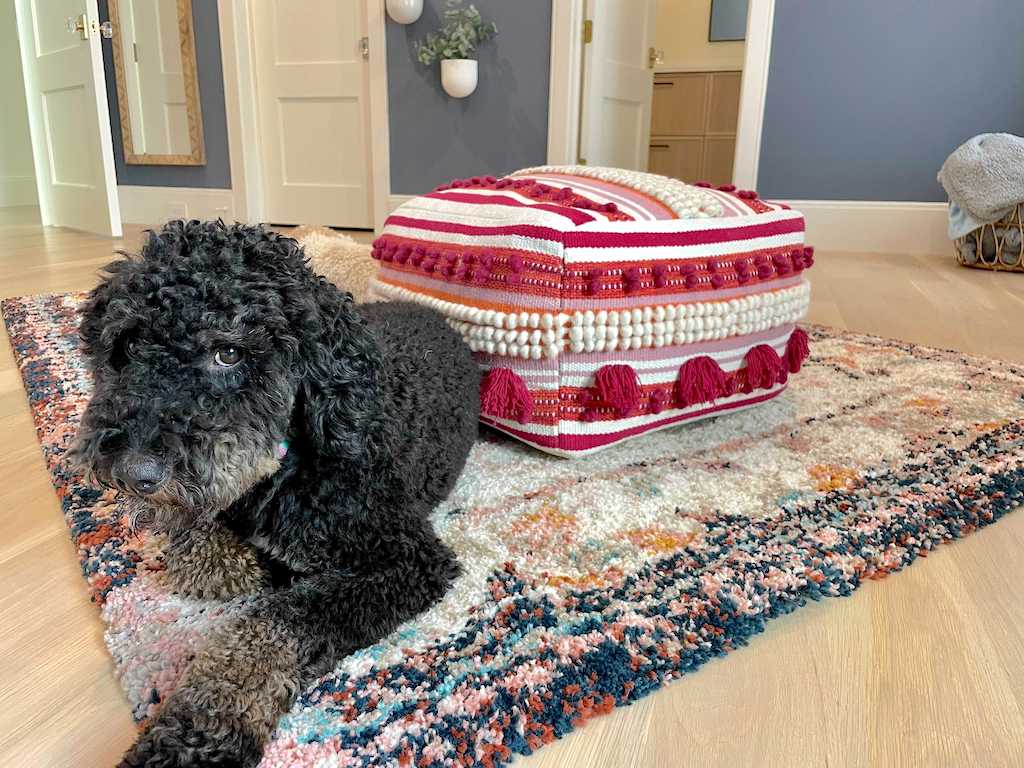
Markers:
208,351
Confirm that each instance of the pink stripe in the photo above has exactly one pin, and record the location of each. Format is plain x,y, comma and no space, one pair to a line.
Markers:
656,210
679,351
575,215
586,442
692,237
523,230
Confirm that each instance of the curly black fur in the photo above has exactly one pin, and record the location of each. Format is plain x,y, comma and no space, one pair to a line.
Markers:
207,351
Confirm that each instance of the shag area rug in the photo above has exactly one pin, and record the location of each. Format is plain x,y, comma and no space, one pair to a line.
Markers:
590,583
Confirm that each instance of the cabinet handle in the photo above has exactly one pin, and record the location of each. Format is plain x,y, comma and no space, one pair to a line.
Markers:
669,83
660,146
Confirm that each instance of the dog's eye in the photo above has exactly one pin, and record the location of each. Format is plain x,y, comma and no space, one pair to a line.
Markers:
121,352
227,357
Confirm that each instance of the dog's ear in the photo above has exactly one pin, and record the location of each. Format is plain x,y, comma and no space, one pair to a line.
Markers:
340,373
99,328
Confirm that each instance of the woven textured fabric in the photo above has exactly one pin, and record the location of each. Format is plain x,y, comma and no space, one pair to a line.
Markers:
603,303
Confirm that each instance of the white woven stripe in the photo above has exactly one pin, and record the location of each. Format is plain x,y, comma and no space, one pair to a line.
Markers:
481,214
689,225
514,242
576,255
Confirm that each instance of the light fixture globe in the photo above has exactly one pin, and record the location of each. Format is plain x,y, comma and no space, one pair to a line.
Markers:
404,11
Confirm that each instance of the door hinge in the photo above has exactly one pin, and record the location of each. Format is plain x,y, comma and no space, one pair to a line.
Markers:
364,47
588,31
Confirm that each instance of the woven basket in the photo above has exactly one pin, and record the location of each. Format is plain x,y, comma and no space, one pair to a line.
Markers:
995,246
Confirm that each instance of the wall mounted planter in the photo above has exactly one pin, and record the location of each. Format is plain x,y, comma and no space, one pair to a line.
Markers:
458,77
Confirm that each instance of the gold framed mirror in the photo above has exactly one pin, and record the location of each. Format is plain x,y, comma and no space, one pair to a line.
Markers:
157,87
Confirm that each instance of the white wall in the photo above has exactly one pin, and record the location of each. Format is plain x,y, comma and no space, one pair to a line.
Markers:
17,176
682,33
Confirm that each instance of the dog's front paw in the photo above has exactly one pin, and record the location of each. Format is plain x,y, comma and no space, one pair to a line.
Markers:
213,564
184,738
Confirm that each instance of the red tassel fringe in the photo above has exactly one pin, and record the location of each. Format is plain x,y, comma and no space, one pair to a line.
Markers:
701,380
619,386
763,367
504,394
797,350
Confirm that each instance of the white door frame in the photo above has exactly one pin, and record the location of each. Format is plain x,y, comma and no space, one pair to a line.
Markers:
566,77
237,52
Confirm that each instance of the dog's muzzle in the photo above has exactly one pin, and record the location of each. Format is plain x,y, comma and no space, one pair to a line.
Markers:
140,474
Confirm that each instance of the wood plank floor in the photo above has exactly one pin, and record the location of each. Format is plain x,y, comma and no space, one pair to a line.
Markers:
922,669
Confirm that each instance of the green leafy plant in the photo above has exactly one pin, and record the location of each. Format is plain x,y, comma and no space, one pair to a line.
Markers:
463,32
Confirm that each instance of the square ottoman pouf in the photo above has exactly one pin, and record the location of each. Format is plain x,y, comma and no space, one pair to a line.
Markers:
603,303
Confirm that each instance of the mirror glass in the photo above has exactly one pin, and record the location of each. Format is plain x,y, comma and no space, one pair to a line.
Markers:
157,89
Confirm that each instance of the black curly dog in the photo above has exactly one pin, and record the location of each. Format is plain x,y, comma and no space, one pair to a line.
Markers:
292,446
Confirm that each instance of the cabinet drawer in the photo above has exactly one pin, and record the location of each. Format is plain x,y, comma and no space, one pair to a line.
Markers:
718,158
723,102
679,106
678,158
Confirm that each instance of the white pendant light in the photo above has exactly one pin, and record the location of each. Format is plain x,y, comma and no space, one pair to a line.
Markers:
404,11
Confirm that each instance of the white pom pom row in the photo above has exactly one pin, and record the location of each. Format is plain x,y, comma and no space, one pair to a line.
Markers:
537,335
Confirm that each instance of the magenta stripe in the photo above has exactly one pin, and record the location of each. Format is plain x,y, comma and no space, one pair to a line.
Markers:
574,215
586,442
691,237
583,304
523,230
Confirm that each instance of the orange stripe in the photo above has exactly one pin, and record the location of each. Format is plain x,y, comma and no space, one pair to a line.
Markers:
467,301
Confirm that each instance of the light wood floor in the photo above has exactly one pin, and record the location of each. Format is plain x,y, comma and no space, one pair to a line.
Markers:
923,669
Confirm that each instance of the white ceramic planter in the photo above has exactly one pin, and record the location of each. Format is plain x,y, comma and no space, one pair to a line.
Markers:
458,77
404,11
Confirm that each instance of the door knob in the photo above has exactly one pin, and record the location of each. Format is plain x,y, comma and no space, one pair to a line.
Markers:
107,30
79,25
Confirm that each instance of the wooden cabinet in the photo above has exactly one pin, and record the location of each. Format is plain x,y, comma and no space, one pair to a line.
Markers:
693,125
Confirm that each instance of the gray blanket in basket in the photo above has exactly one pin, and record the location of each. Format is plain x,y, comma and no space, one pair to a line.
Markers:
984,178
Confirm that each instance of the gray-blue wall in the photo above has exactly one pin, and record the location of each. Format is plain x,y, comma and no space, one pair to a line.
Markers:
499,128
217,171
866,99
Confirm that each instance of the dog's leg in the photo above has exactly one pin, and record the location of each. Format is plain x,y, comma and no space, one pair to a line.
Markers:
236,689
228,702
210,562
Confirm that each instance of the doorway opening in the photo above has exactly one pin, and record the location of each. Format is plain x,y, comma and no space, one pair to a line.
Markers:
665,86
19,201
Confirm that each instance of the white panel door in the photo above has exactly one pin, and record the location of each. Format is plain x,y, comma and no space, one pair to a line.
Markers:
618,84
312,84
67,105
161,84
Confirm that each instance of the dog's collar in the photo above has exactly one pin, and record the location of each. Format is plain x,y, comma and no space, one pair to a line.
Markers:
282,449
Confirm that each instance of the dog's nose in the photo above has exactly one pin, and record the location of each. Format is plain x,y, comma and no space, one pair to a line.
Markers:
142,474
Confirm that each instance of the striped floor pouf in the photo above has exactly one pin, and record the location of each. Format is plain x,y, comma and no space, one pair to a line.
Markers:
603,303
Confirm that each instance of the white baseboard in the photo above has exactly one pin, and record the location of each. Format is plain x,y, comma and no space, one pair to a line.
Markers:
18,191
396,200
875,227
155,205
